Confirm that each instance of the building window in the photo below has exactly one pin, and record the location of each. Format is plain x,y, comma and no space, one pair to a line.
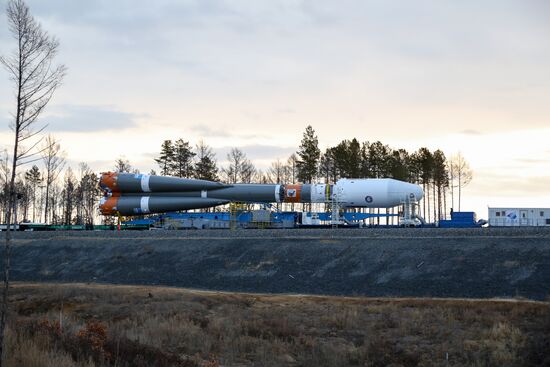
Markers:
503,213
542,214
548,221
523,215
498,214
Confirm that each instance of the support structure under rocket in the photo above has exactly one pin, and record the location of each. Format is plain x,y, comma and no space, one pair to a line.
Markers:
137,194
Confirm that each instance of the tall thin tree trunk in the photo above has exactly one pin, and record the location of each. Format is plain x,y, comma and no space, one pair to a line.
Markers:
424,200
444,203
11,204
46,203
434,201
34,204
459,192
7,246
452,193
428,202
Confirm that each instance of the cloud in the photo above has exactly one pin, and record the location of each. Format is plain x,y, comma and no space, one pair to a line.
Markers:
531,160
285,111
471,132
88,118
208,132
205,131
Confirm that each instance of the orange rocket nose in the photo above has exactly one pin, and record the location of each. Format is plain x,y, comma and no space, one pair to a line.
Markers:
108,206
108,181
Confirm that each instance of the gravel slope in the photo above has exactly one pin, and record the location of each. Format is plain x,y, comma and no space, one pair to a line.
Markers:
480,263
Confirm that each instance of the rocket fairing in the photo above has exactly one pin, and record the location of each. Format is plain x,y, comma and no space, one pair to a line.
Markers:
136,194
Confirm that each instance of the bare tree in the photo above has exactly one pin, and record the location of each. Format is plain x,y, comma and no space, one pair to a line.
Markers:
88,194
240,168
461,174
35,79
53,164
5,174
292,168
123,165
69,196
276,173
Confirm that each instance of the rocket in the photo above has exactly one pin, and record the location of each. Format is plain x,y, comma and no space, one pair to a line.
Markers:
137,194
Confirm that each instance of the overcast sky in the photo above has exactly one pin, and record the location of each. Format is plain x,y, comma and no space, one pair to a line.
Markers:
469,76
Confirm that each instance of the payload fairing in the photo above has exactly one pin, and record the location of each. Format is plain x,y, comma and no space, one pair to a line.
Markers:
137,194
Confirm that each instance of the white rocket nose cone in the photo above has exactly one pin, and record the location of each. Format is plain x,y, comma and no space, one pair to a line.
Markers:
418,192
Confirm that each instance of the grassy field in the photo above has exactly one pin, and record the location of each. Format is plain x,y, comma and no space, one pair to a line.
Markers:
97,325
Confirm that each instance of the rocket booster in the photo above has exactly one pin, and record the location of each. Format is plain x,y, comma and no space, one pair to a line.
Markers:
135,183
136,194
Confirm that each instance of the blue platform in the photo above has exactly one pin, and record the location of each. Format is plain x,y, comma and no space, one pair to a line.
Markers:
460,220
246,217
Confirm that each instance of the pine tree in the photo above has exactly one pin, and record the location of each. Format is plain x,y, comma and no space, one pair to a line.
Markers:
182,160
34,179
440,178
426,162
165,158
308,156
205,166
365,168
399,165
347,158
354,159
327,168
378,160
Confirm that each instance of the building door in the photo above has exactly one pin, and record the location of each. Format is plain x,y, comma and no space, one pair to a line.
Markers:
523,218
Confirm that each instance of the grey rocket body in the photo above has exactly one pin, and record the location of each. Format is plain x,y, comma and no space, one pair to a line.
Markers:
135,194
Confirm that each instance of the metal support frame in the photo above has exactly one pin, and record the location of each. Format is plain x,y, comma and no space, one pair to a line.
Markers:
409,218
335,207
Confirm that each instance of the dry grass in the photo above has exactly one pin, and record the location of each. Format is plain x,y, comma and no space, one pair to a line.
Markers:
95,325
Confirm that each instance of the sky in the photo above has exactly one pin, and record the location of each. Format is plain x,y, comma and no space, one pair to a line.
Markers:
461,76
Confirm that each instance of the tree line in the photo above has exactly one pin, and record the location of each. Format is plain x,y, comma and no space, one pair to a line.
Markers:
439,177
51,193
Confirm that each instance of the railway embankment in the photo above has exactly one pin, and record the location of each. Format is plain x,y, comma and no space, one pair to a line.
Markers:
477,263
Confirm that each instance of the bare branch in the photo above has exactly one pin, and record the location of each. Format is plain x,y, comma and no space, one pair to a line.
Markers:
32,134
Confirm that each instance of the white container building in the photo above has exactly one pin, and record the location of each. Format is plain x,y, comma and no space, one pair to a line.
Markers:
518,217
